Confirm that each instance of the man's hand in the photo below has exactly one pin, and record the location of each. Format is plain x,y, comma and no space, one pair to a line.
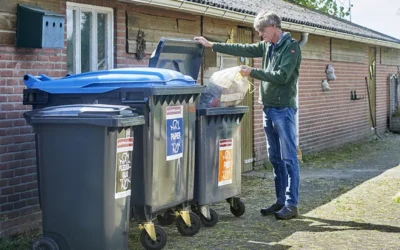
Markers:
245,70
203,41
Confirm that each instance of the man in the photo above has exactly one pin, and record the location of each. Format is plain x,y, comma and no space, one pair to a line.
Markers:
280,70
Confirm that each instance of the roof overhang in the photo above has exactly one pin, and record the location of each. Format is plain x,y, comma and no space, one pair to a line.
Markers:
216,12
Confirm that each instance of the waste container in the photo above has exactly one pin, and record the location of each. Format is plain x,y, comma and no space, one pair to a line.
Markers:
84,156
164,164
218,161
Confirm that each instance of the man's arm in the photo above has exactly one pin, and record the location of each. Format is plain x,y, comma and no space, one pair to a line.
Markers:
235,49
285,69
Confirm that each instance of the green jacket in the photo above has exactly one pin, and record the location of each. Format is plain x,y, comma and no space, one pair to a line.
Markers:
279,75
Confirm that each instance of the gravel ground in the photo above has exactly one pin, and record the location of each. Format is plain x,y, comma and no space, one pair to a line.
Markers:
346,202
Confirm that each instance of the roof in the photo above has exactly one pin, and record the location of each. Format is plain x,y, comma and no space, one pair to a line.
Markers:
294,13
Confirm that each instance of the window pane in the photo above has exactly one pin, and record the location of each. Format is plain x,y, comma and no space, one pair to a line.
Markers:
86,41
71,36
102,42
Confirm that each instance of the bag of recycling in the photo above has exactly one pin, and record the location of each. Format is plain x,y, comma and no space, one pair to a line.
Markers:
226,88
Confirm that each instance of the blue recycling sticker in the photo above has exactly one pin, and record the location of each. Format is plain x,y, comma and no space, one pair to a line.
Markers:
174,115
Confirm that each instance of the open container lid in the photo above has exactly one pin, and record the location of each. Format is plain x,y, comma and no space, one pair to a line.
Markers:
182,55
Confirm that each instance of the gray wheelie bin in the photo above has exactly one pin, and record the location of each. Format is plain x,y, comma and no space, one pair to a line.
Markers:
218,161
164,164
84,156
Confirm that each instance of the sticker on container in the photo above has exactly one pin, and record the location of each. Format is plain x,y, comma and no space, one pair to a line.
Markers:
123,167
225,162
174,132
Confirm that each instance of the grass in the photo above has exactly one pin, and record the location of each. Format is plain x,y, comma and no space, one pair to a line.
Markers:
20,242
344,154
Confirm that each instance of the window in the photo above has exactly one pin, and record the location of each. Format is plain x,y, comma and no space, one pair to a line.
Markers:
89,38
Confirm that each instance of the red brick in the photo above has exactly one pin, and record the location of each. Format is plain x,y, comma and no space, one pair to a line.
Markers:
14,181
31,170
3,183
7,174
18,139
13,115
5,56
14,98
6,124
13,131
13,164
13,198
27,178
6,207
3,199
27,162
32,185
20,188
26,195
32,201
6,191
3,166
6,157
13,214
20,204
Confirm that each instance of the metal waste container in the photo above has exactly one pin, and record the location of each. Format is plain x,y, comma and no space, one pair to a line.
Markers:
84,161
218,161
164,164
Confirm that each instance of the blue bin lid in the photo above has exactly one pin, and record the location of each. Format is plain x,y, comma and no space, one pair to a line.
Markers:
109,80
181,55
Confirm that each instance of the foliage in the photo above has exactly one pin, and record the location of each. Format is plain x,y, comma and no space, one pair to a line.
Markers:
20,242
328,6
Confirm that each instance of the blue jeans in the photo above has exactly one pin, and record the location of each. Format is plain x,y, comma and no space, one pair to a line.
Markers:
280,129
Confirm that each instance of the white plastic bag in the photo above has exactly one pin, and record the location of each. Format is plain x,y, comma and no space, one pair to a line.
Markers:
226,88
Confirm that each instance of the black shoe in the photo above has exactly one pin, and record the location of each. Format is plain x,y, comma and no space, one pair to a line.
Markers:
287,213
271,210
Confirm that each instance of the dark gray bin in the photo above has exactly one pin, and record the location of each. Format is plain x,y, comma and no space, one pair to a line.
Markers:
218,160
84,156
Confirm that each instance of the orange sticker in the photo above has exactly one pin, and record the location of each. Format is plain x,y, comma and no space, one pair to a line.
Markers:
225,162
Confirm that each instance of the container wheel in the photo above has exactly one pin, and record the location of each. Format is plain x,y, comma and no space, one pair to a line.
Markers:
210,222
184,230
159,243
239,209
167,218
45,243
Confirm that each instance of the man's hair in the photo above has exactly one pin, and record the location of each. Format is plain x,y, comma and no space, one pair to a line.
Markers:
265,19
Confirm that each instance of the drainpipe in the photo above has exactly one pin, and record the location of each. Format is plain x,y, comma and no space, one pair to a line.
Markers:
302,42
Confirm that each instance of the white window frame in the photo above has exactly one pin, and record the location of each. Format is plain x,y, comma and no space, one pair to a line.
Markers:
79,8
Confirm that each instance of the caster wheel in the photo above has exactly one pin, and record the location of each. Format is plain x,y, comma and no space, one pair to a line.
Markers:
239,210
150,244
45,243
167,218
184,230
210,222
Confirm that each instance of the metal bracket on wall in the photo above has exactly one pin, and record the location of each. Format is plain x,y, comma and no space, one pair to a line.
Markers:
354,97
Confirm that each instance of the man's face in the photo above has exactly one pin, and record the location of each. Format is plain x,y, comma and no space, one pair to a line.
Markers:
267,33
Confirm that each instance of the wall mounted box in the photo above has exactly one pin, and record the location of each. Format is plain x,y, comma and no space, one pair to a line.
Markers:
39,28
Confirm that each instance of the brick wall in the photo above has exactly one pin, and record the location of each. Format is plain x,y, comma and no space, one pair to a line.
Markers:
330,118
19,207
